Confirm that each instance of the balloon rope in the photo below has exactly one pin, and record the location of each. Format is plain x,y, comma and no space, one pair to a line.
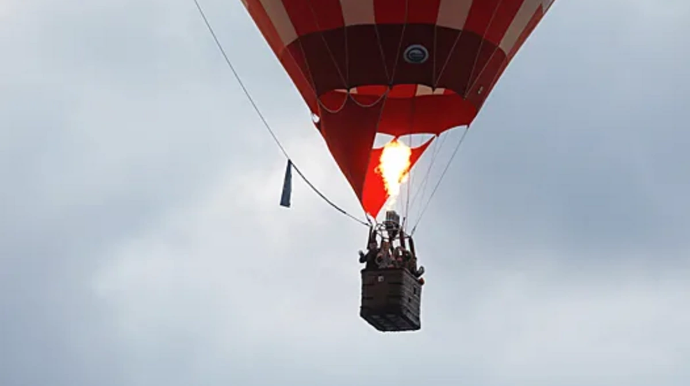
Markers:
469,87
433,192
265,122
421,189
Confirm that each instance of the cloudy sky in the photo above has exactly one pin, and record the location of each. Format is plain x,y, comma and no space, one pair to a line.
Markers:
141,242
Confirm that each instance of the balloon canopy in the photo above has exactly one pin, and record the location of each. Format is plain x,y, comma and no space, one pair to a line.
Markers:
393,67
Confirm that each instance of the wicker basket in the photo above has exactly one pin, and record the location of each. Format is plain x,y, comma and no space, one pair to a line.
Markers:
391,299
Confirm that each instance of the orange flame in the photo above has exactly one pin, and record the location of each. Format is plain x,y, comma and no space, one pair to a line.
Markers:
394,168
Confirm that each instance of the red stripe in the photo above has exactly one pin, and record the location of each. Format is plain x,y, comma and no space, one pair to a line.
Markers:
480,15
300,80
295,65
423,11
265,25
502,19
536,18
310,16
372,90
488,18
389,11
410,11
403,91
480,99
329,14
483,78
301,16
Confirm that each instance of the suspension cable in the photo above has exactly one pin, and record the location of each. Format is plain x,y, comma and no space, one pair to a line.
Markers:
265,122
455,152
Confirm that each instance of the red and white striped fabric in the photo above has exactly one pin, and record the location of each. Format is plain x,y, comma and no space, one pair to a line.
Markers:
415,66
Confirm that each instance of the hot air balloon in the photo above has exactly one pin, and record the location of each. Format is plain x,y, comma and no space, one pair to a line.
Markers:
396,68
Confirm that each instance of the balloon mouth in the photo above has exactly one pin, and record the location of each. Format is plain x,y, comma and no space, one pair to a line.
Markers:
410,139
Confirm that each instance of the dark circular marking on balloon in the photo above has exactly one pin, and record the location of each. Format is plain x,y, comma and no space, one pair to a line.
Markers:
416,54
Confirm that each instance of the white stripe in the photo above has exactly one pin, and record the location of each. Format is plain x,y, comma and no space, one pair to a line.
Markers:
426,90
358,12
520,22
344,91
423,90
275,9
453,13
246,5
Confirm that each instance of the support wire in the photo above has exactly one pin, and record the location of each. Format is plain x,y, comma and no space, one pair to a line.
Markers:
265,122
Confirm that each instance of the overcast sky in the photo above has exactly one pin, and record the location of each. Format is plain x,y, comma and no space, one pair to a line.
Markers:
141,241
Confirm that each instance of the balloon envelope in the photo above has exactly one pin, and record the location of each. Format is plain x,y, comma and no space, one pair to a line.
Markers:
392,66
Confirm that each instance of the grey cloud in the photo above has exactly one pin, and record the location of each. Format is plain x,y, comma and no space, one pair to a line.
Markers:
140,193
